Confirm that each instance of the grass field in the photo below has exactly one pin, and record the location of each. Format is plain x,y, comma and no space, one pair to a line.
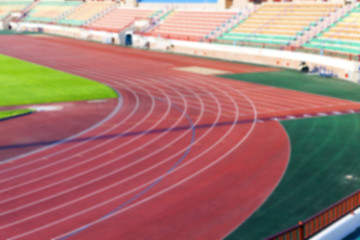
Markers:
324,162
14,113
26,83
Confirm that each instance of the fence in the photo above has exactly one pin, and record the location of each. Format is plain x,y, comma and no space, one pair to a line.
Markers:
321,220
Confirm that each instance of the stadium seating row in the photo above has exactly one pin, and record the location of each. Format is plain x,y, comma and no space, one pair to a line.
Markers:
194,25
342,36
278,24
49,11
12,6
120,18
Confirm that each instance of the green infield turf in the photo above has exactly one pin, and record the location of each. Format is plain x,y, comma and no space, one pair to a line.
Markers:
14,113
27,83
324,168
295,80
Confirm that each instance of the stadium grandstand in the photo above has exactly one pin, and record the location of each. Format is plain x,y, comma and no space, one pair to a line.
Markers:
180,119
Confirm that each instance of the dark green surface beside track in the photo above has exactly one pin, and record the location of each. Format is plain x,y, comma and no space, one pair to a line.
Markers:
325,153
324,165
294,80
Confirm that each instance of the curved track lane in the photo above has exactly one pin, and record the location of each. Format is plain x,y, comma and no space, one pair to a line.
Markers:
183,158
49,127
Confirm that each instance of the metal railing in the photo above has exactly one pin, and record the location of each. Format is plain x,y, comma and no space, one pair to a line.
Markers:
321,220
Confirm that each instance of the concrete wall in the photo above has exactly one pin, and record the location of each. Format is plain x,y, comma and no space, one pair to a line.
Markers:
72,32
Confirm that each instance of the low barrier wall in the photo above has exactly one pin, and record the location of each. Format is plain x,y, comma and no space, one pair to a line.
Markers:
72,32
342,68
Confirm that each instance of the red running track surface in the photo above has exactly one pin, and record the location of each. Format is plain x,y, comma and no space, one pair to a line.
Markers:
183,158
44,128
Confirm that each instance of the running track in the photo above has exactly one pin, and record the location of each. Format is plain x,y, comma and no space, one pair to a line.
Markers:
181,156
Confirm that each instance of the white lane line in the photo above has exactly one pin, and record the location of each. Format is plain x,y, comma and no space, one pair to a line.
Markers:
54,163
112,185
87,150
118,158
147,156
164,190
27,163
56,65
102,122
37,169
